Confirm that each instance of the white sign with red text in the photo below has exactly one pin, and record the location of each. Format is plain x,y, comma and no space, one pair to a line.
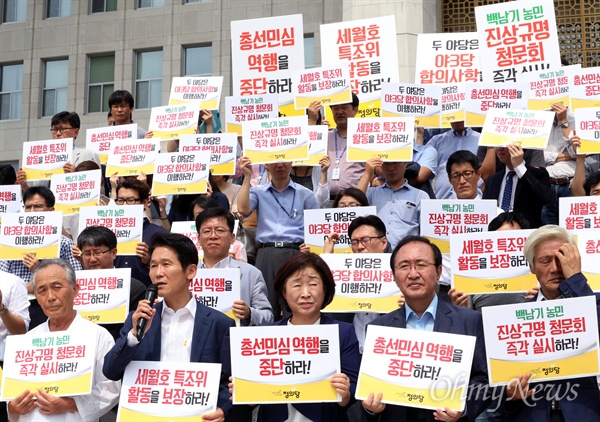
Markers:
75,190
37,233
579,213
202,90
99,140
42,159
125,221
222,148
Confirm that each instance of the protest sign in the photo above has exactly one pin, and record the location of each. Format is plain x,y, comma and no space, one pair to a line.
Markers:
387,138
415,368
579,213
222,147
276,140
527,128
125,221
453,103
285,364
172,121
442,217
248,108
103,295
584,87
99,140
482,97
319,223
201,90
588,243
42,159
178,173
75,190
490,262
174,391
317,145
130,158
217,288
264,53
547,87
421,101
10,199
37,233
329,85
60,362
552,340
447,58
370,49
516,38
363,283
587,123
188,229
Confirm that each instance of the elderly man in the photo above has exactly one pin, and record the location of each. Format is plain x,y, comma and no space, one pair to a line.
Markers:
55,288
417,265
215,235
554,259
178,329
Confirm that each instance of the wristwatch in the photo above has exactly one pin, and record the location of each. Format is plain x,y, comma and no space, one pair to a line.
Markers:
3,310
564,125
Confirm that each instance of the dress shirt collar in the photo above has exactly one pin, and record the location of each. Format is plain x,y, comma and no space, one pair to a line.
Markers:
431,310
190,307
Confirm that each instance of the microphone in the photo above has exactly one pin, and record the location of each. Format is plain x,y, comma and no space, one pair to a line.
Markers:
151,295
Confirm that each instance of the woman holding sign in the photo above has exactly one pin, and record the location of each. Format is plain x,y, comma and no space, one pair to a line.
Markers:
305,285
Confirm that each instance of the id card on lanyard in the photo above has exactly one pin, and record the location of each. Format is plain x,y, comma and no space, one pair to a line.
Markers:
335,174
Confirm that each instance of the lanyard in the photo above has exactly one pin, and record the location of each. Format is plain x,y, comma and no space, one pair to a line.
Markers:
292,213
338,158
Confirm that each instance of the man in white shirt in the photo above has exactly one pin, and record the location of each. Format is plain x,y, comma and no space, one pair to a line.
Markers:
55,288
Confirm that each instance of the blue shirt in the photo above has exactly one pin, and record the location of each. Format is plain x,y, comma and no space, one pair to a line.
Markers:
426,156
280,215
446,144
425,323
399,209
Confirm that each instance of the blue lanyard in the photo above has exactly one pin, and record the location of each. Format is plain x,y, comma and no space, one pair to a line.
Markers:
292,213
261,176
338,158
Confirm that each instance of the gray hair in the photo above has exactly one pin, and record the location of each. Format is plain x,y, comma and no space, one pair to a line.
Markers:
69,271
544,233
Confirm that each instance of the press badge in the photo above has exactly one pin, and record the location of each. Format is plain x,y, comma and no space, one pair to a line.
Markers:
335,175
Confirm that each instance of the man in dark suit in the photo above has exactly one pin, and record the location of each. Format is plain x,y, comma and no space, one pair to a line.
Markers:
520,188
417,265
179,329
554,259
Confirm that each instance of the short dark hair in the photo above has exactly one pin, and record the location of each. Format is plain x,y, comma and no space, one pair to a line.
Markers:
181,245
215,212
204,202
43,191
119,96
133,183
87,165
354,193
564,61
8,176
355,101
437,255
66,116
462,157
368,220
97,236
592,180
511,218
298,262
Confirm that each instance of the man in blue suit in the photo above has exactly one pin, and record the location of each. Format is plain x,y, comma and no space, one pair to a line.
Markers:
178,329
554,259
417,265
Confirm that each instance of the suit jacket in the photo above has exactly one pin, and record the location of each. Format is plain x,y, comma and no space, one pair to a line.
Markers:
531,194
454,320
210,343
579,397
323,412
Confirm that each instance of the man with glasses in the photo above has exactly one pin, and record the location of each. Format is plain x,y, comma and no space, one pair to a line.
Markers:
464,175
215,235
417,265
398,203
520,187
135,192
121,108
38,199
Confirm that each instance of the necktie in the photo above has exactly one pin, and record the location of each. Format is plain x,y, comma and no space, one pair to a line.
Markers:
507,191
361,319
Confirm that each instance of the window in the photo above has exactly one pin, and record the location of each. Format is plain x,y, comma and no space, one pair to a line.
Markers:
100,6
11,86
309,51
198,1
57,8
14,11
150,3
198,61
54,95
148,81
101,79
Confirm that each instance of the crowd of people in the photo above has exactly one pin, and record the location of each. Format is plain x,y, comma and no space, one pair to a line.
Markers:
282,282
